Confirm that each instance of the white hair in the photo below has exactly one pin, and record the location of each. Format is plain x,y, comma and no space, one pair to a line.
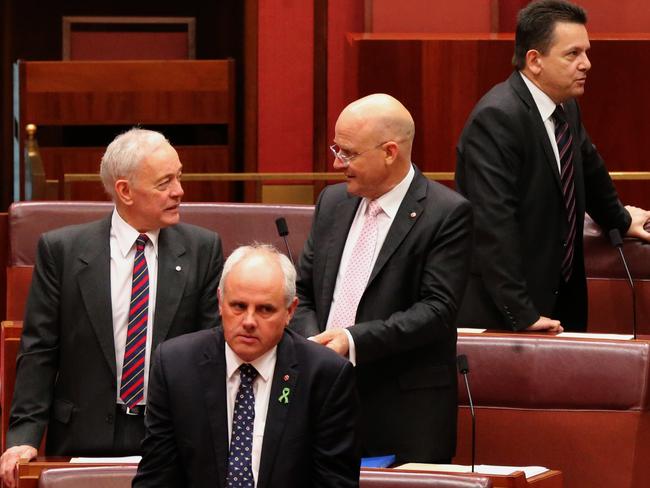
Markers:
124,155
243,252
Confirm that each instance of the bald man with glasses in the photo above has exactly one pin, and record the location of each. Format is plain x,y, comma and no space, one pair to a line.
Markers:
381,278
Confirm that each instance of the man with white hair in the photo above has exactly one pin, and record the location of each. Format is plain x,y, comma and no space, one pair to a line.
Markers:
251,403
103,296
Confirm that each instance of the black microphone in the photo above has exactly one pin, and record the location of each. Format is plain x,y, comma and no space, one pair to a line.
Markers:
463,368
617,241
283,231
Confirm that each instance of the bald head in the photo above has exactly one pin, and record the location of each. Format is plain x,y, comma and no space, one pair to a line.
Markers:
385,118
375,137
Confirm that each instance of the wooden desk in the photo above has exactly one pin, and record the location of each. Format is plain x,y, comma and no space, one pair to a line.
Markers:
28,473
550,479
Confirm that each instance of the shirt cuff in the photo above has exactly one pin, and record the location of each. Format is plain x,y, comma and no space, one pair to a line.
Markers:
352,351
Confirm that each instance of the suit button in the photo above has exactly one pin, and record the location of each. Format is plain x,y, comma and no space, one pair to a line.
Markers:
109,418
563,243
555,292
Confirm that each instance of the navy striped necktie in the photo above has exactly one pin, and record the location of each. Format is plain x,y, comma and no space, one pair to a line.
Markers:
132,384
564,141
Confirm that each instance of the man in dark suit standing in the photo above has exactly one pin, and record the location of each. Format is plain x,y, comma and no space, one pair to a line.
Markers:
381,278
103,296
530,170
251,404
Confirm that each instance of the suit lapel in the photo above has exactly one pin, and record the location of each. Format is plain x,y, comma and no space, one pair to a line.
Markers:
536,119
409,212
345,211
212,372
285,379
173,267
95,288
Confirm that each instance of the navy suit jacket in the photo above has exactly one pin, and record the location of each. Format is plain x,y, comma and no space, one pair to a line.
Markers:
309,441
65,377
404,333
507,169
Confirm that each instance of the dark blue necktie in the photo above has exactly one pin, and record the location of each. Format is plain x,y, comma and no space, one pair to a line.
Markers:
240,468
565,148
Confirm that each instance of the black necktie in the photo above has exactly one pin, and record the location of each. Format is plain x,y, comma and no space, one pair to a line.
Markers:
564,141
240,468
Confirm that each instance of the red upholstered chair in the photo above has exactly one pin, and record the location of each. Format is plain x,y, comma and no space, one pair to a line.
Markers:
386,478
85,477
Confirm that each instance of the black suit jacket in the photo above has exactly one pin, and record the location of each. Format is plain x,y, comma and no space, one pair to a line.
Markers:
308,442
404,333
507,169
65,377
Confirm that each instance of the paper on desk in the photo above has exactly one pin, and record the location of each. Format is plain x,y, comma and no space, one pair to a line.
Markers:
529,471
585,335
106,460
469,330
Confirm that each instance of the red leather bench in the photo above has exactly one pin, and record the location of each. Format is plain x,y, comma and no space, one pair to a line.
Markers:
121,476
237,224
576,405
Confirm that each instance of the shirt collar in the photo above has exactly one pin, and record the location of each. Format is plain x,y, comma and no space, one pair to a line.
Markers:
126,235
391,200
264,364
545,105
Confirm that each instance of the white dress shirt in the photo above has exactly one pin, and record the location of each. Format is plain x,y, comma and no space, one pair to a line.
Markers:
389,203
265,366
122,243
546,107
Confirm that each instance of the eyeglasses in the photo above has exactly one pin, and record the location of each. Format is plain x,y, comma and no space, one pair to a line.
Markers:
346,158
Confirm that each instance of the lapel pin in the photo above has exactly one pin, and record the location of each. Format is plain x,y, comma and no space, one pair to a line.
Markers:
178,268
284,398
285,377
413,215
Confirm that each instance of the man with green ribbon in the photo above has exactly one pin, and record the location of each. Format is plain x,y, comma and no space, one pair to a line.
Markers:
251,404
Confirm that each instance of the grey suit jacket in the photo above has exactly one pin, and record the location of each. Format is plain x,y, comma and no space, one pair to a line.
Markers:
404,333
507,169
65,377
309,440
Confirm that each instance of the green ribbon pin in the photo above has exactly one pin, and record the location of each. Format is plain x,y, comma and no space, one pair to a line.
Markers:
285,395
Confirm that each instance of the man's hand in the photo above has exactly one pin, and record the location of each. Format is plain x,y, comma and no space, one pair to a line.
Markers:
545,324
335,339
639,219
9,460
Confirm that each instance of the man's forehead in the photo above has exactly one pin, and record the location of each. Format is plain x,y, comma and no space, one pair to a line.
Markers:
567,34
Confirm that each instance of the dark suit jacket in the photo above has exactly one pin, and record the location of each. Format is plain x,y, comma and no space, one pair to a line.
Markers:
308,442
65,377
507,169
404,334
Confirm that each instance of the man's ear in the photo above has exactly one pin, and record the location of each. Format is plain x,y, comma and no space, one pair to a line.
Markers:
534,61
391,149
292,308
123,192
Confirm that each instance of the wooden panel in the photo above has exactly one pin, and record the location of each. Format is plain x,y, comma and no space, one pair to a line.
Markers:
4,256
19,280
441,77
9,345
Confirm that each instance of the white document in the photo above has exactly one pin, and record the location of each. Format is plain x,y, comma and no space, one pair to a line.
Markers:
469,330
106,460
584,335
529,471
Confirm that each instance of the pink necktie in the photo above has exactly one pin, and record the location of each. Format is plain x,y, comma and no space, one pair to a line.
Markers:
354,280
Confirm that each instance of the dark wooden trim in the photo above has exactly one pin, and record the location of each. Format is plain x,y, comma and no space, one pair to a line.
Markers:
69,22
252,191
320,96
6,106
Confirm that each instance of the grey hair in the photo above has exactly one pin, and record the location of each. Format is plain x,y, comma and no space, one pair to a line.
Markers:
243,252
124,155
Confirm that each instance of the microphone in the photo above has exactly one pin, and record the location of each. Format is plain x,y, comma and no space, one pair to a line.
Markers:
463,368
617,241
283,231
